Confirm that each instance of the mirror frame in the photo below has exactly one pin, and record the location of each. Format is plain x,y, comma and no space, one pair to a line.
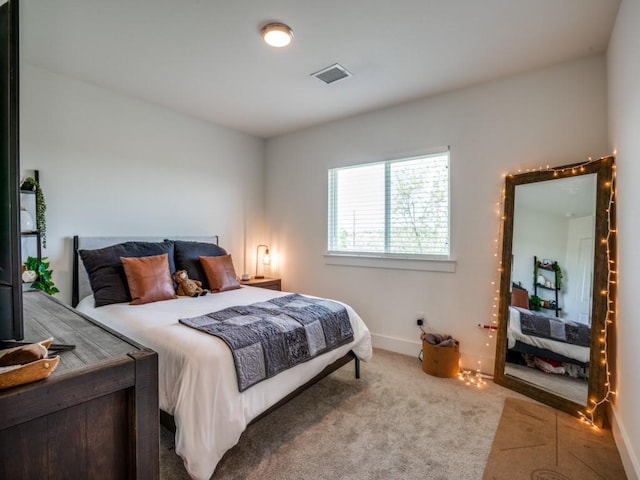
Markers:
604,241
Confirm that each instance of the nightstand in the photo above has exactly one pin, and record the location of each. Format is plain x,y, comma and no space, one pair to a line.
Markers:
269,283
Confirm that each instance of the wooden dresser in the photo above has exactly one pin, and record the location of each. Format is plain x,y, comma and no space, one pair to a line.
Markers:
95,417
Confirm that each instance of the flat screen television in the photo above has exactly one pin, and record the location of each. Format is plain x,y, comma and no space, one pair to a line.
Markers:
11,326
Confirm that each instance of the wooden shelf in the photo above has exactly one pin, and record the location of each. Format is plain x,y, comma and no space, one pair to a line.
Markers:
33,235
556,291
551,308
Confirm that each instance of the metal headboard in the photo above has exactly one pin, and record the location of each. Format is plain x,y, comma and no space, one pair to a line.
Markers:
80,282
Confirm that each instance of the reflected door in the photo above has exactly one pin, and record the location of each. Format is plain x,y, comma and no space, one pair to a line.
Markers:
585,269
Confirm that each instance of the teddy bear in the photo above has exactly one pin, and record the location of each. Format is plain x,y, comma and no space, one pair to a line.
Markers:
186,286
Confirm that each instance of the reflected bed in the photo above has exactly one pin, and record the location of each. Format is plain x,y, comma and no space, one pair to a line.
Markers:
543,347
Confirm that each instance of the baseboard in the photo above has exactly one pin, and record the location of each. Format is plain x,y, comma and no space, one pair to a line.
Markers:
397,345
628,456
468,361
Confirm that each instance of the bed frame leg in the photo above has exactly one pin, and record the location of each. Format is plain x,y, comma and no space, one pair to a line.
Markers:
357,367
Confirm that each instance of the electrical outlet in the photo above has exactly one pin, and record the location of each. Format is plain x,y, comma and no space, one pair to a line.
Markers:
420,322
419,318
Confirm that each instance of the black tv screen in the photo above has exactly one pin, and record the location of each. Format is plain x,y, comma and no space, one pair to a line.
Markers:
10,259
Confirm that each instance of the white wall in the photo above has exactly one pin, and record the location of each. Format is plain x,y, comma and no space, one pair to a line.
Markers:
113,165
541,235
556,238
553,116
624,132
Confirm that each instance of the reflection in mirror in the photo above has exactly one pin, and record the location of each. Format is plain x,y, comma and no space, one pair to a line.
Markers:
555,286
550,315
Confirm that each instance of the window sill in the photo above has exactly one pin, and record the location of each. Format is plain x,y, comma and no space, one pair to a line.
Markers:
395,263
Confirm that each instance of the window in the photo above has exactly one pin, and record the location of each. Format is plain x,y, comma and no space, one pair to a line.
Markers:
392,208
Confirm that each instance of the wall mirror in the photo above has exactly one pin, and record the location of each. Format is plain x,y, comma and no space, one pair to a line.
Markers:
555,301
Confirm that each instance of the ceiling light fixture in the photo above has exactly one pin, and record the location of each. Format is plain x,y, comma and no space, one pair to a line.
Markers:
277,34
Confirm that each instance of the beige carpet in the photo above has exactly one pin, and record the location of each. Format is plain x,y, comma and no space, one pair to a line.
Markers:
395,422
535,442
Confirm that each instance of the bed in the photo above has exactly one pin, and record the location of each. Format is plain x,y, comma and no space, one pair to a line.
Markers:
560,351
198,388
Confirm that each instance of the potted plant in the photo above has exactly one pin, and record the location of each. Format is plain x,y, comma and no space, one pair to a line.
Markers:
558,271
43,280
535,303
32,185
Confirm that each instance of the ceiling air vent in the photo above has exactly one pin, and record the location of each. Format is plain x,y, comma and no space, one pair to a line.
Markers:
332,73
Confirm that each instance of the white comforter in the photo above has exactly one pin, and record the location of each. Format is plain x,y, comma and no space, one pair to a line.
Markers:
514,332
197,379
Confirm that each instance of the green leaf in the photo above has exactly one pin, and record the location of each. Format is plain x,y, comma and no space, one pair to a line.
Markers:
43,282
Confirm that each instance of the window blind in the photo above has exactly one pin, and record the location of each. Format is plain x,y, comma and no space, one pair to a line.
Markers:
396,207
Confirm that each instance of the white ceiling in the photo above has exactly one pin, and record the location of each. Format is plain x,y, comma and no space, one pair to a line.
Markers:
205,57
570,197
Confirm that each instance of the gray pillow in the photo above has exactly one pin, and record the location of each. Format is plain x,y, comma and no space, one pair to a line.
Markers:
187,257
106,273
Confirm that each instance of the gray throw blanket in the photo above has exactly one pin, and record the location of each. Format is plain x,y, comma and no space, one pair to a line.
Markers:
541,325
266,338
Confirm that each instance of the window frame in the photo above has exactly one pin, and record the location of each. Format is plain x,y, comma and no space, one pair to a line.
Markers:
404,261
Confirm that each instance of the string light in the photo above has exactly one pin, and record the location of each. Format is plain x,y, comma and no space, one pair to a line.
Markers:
469,376
472,378
466,375
589,415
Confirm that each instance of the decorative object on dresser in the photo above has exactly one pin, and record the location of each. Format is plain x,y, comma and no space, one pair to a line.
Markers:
29,276
266,259
265,282
26,363
96,416
40,275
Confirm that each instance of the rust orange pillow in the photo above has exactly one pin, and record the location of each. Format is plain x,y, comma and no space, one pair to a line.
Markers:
149,278
220,273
